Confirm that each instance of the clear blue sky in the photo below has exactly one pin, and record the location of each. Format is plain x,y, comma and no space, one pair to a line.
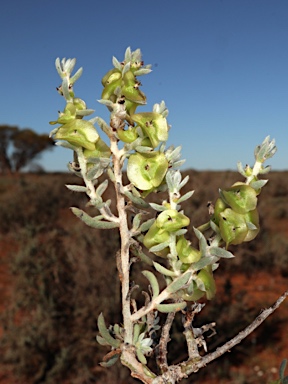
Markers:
220,65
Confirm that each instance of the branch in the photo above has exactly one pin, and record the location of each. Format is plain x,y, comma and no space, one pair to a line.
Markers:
161,350
192,366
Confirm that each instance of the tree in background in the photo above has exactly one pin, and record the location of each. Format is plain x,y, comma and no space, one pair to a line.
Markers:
18,147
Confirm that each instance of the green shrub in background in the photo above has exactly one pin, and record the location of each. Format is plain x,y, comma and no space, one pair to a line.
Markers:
178,272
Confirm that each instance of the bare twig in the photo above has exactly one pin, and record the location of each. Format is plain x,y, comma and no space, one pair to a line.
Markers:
192,366
161,350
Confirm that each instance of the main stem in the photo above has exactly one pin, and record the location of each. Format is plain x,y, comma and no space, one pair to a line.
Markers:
125,242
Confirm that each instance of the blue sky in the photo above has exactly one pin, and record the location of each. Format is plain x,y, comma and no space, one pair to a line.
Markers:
220,65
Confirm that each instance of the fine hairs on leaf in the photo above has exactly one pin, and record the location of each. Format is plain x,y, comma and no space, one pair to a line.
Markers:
154,231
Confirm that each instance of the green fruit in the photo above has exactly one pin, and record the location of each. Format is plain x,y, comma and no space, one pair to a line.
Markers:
241,198
154,125
172,220
130,89
186,253
108,91
220,206
101,149
252,217
207,278
155,236
112,75
127,136
80,133
233,227
147,171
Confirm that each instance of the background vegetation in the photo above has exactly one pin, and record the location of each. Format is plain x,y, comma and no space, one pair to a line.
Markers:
60,275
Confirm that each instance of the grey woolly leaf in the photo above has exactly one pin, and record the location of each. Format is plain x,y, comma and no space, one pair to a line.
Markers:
111,175
163,270
258,184
108,103
160,108
265,170
146,225
180,232
101,340
85,112
169,180
282,368
141,357
202,240
53,131
75,171
159,247
65,144
176,178
102,162
76,188
251,226
173,154
200,284
184,182
214,227
220,252
69,65
116,63
94,222
105,333
136,221
65,89
153,283
59,68
94,172
185,197
112,360
178,164
103,125
136,332
143,149
157,207
241,169
136,55
136,200
142,71
127,56
203,262
126,68
102,188
178,283
173,307
76,76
